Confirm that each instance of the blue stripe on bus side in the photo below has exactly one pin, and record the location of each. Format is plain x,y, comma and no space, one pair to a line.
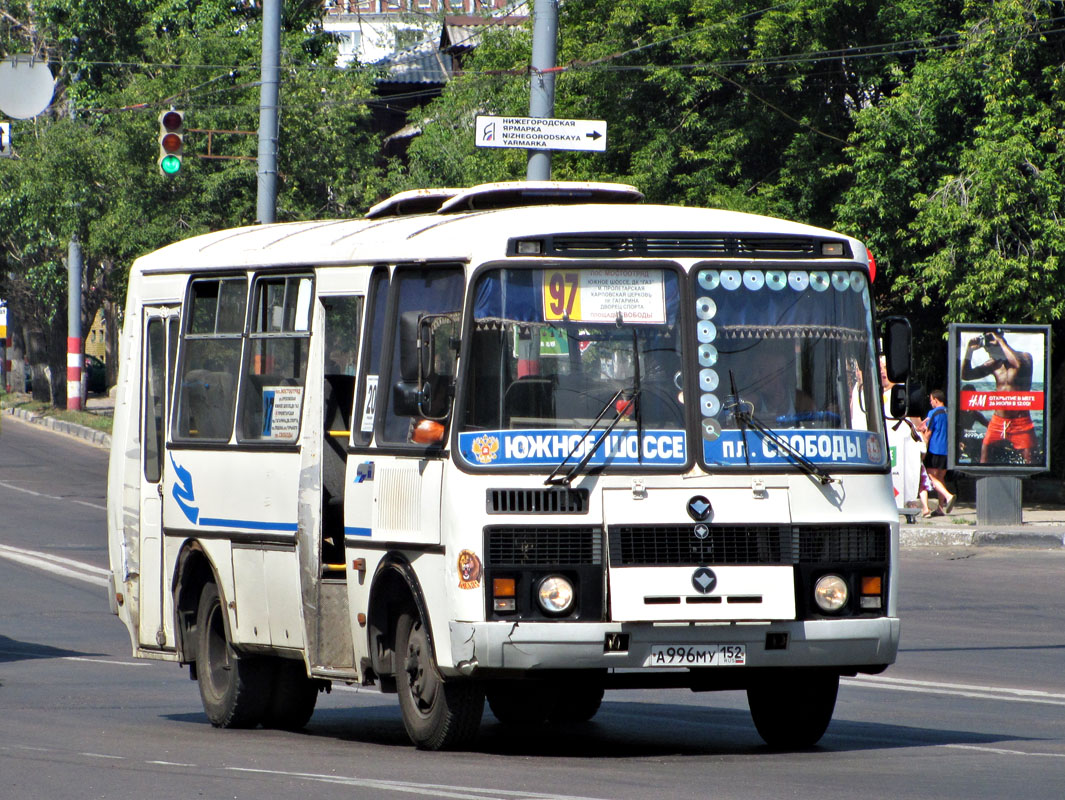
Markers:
349,531
249,524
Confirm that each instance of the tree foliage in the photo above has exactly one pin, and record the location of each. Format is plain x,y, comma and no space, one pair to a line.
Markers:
88,166
931,129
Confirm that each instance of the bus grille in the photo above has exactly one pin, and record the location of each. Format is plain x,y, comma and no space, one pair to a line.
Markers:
555,500
541,545
677,545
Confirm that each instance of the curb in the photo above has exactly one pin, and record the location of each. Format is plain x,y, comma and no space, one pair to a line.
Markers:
90,435
1042,537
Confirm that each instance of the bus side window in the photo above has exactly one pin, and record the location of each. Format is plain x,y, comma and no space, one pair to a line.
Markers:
212,340
275,364
429,292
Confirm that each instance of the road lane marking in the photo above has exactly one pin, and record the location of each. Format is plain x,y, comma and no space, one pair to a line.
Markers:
44,496
15,488
1002,751
67,567
972,691
432,789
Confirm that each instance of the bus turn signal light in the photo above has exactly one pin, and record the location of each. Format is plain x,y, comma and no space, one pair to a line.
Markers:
871,589
503,591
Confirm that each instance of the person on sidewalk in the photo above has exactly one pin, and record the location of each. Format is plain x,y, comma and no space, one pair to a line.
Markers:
934,429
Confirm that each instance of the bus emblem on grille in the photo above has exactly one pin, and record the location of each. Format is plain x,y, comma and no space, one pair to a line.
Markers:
699,508
704,580
701,531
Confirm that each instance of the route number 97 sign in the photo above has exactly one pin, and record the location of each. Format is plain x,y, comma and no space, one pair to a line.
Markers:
600,295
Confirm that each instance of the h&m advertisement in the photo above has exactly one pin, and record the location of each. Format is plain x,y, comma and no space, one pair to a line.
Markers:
999,400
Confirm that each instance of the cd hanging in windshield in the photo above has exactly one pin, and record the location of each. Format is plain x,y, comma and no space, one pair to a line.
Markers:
798,281
731,280
705,308
753,279
711,429
709,279
776,280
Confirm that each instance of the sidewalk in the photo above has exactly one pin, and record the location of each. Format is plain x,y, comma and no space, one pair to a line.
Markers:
1042,522
1042,526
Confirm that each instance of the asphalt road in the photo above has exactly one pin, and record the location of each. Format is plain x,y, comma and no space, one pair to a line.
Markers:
975,707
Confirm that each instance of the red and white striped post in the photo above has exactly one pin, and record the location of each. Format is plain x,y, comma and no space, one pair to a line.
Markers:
74,325
73,373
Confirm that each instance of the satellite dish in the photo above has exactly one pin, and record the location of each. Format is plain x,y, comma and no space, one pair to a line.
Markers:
26,86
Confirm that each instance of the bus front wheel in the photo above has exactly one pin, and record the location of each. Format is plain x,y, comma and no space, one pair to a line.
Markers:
437,714
792,712
233,688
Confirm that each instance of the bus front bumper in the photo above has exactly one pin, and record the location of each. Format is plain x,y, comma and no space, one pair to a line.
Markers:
865,644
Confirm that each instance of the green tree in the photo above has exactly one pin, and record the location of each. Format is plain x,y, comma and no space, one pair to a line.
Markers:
88,166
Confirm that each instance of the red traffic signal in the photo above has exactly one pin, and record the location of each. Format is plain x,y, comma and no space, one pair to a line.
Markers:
171,141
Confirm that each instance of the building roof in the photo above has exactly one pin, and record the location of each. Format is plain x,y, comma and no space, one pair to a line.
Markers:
424,64
462,34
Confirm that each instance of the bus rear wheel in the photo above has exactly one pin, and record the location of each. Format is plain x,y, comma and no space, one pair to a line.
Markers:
233,688
437,714
792,711
293,696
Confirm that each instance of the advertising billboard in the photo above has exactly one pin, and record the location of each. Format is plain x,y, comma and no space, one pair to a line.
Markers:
999,399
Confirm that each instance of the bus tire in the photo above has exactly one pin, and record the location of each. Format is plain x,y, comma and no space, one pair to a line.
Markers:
520,702
576,703
233,688
437,714
792,712
292,697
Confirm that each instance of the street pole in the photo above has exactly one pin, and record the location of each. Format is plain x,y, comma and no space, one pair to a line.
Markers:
266,202
542,80
74,324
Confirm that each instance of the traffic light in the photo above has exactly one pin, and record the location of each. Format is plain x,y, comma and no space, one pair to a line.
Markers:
171,141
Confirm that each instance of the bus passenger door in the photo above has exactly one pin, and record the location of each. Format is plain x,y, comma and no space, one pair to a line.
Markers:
160,334
327,431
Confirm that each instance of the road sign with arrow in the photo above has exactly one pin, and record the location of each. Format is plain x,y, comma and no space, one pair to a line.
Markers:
535,133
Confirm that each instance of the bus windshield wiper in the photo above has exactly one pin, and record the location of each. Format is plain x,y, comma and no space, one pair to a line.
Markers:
743,413
554,479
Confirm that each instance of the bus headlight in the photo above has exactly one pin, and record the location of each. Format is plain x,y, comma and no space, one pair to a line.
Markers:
555,595
830,593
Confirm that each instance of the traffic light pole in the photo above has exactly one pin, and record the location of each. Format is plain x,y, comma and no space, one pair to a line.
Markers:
266,201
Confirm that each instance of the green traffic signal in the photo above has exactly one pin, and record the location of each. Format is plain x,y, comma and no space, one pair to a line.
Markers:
171,141
170,164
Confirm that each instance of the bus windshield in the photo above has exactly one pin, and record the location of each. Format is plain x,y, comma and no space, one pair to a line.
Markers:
554,350
560,358
792,350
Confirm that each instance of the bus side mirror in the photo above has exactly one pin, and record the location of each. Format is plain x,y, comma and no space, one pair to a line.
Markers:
427,358
898,348
899,401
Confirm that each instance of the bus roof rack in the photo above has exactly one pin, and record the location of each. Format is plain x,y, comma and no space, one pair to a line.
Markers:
412,201
511,194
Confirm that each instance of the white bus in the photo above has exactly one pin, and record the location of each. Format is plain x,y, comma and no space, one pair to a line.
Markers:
523,442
